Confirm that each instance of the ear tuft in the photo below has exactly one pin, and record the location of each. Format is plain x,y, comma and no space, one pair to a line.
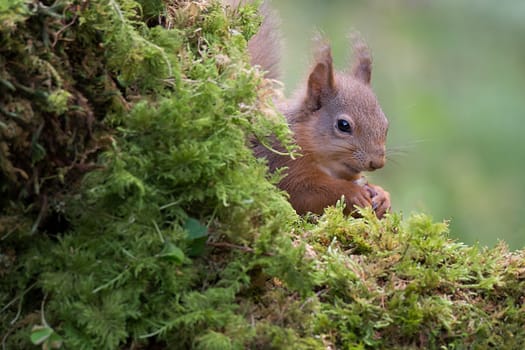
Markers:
362,66
321,81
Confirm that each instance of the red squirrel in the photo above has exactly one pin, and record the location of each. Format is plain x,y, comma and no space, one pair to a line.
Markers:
336,121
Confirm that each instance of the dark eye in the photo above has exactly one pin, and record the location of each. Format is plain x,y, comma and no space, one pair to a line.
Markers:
344,126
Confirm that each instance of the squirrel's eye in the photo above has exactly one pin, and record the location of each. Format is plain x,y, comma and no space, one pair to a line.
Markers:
344,125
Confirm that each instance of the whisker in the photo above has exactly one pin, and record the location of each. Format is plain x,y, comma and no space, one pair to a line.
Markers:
400,148
414,142
345,149
392,160
403,149
395,152
411,144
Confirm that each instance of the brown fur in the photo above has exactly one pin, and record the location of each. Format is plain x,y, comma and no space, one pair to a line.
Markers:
332,159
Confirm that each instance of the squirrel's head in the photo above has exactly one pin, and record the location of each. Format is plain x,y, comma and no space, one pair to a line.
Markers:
342,125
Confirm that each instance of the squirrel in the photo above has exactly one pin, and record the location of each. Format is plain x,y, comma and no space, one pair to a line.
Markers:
336,121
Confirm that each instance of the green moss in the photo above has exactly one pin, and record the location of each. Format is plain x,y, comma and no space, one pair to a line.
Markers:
134,214
58,101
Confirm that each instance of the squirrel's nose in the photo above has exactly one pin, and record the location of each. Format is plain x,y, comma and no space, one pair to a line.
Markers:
376,163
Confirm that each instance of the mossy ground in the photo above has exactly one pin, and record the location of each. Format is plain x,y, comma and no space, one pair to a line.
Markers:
134,215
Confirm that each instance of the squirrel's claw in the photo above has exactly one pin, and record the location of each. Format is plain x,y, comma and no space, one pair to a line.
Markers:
380,201
360,197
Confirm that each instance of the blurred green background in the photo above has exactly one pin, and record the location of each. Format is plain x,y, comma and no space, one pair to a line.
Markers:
450,75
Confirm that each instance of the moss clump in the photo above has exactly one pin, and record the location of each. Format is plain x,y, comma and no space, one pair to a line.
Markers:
415,287
134,214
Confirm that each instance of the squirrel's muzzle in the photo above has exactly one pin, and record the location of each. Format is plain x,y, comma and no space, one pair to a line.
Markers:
377,162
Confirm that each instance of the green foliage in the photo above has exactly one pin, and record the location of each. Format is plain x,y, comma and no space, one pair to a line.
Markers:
415,288
176,238
12,12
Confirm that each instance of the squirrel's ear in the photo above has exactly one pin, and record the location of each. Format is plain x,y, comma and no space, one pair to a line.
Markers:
362,67
321,79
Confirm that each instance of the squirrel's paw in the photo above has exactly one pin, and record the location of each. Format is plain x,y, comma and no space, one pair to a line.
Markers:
358,196
380,199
